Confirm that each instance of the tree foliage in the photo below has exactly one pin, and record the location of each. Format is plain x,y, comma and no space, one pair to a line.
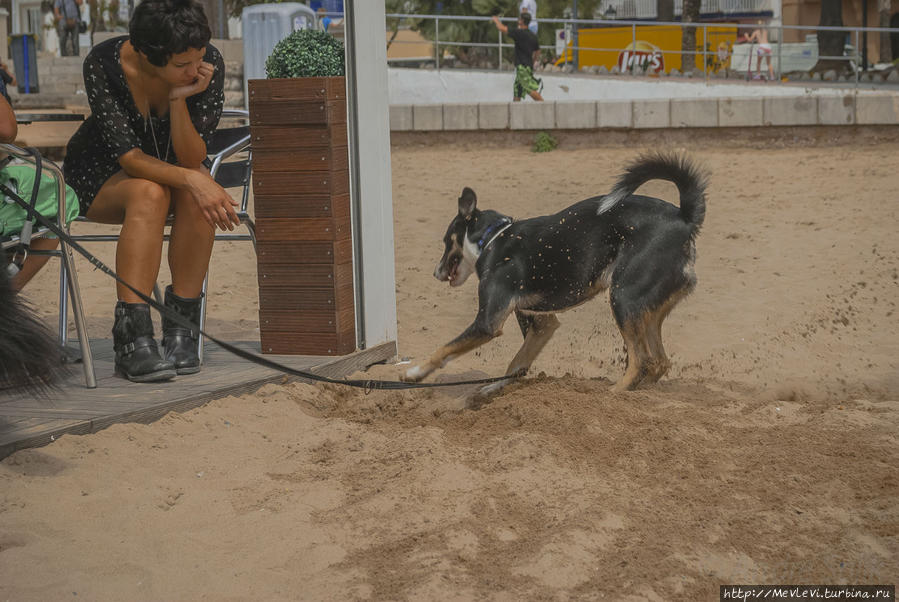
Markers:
481,30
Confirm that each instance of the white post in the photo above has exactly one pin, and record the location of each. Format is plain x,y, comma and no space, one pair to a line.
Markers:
4,48
370,180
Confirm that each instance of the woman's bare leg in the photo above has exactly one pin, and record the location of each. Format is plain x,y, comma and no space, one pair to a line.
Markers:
190,245
141,206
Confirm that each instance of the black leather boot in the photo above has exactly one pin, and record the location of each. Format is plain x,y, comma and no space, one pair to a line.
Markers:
181,344
136,354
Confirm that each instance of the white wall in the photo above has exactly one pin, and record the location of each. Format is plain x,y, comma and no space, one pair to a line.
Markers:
422,86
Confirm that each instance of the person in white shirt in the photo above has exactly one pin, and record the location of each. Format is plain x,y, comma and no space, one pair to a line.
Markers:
530,7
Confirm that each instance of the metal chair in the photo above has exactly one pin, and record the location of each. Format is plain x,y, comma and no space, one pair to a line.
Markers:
229,172
68,278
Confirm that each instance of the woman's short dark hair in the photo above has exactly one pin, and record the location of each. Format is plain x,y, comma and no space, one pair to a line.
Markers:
161,28
525,18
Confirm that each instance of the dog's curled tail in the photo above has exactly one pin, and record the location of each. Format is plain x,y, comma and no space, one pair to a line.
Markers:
30,358
690,182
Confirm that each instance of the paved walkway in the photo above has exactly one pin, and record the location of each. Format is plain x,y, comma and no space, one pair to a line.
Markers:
29,421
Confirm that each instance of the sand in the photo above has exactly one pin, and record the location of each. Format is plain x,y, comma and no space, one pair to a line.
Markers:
767,455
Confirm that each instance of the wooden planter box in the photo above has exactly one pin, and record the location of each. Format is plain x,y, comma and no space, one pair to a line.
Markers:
302,202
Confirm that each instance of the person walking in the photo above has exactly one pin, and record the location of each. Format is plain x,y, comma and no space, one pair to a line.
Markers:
526,50
68,18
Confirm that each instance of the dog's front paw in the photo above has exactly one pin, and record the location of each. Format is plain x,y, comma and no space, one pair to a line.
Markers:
415,374
492,388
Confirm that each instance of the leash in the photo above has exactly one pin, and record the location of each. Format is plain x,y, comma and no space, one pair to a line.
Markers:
367,385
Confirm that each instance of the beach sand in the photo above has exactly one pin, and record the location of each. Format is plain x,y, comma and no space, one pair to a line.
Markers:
768,454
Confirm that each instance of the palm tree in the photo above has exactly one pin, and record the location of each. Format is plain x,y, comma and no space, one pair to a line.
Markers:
688,40
883,7
830,43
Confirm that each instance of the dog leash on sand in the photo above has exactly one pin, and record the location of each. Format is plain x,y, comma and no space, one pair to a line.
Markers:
367,385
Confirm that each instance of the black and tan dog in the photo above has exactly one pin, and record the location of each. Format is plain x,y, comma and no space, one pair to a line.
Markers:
639,248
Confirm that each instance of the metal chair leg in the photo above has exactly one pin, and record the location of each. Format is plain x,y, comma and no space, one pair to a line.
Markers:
63,299
200,341
90,378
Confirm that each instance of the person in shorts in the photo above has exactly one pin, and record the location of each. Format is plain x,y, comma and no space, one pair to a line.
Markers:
20,180
527,49
760,37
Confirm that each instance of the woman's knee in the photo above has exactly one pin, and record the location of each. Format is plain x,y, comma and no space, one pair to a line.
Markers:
148,201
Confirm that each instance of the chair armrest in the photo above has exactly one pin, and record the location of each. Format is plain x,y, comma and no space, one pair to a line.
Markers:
235,113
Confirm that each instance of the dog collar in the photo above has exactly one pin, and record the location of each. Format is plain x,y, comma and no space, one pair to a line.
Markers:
502,224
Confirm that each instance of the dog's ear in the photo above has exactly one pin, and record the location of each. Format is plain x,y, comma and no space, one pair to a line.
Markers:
467,202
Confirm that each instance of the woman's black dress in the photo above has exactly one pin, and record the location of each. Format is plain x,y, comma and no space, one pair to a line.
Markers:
116,125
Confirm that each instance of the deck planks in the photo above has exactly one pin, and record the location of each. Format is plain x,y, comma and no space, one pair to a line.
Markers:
27,420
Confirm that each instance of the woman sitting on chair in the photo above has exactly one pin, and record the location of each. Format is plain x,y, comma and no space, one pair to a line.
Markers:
156,97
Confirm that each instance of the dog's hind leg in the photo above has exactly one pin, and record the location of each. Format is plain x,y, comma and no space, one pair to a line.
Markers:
633,331
660,364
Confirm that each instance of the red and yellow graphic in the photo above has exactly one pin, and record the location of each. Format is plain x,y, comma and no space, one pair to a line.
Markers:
657,47
642,55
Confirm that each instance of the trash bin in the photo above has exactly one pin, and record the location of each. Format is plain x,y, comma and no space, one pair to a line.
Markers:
264,25
23,51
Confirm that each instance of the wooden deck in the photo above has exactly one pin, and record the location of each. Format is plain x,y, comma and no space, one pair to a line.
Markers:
30,421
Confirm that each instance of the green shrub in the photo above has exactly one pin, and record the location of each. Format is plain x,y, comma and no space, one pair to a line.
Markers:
543,143
306,53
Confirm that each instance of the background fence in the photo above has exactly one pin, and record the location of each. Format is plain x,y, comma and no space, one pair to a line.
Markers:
719,50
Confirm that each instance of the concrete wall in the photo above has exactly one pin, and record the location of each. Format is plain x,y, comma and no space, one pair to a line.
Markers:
847,109
423,86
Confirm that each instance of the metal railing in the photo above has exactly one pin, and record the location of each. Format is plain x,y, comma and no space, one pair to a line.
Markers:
707,58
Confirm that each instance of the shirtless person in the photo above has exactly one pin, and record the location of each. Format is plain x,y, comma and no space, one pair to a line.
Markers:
760,36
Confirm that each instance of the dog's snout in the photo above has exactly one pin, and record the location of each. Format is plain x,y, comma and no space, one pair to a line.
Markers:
440,271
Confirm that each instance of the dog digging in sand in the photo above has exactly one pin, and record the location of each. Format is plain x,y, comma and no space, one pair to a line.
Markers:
639,248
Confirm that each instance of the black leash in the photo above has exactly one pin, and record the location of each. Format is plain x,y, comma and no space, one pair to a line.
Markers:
367,385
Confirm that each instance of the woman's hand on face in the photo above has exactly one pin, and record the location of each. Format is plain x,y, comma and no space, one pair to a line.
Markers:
204,76
215,203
